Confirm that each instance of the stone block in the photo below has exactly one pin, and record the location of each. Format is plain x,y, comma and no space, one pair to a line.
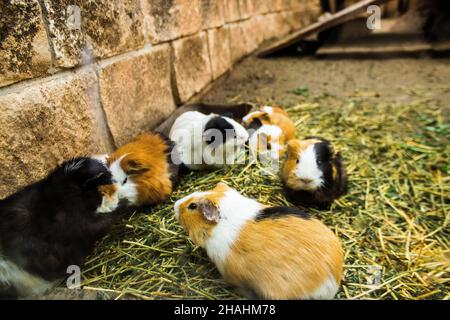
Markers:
81,30
219,50
192,65
46,122
24,48
136,91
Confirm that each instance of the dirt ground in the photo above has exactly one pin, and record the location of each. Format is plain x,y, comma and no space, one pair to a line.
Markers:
275,80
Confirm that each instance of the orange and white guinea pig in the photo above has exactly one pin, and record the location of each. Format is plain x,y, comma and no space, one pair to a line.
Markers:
314,173
267,252
270,127
143,169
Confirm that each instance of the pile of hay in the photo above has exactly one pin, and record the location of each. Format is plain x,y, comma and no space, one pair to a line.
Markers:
393,223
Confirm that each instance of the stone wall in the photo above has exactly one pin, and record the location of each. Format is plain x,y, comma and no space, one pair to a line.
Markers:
81,77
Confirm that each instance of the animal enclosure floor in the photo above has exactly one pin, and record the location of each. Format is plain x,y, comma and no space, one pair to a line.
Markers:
389,119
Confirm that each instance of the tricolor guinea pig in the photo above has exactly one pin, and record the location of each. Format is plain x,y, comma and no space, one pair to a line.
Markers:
267,252
268,142
269,128
144,169
314,173
207,141
53,224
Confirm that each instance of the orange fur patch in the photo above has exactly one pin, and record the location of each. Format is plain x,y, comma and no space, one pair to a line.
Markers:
146,162
286,258
194,222
107,191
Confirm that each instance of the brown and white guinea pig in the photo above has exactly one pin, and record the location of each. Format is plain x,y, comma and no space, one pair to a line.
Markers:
269,128
144,170
314,173
267,252
207,141
52,224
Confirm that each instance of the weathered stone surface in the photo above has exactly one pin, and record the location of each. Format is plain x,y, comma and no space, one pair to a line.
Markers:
24,49
219,50
231,10
105,28
246,8
294,19
192,65
261,6
46,122
136,92
212,12
171,19
276,26
238,45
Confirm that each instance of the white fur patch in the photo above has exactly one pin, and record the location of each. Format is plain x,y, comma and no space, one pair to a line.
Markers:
250,115
124,191
274,132
307,168
235,211
25,283
326,291
267,109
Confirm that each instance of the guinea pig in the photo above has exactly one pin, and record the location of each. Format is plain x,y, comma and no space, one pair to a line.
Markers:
207,141
267,252
144,169
234,111
271,116
268,143
314,173
53,224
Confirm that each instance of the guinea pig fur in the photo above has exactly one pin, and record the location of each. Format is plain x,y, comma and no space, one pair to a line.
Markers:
270,116
207,141
314,173
52,224
268,142
234,111
144,169
272,252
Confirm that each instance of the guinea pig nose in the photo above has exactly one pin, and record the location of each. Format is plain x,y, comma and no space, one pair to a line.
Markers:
305,181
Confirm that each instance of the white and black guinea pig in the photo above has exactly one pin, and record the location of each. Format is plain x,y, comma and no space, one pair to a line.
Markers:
314,173
234,111
54,223
207,141
267,252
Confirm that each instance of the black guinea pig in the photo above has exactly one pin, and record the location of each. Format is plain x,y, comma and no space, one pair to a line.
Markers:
53,224
314,174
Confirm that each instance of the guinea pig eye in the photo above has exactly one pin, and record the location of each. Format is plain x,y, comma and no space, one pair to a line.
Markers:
192,206
319,162
297,161
125,180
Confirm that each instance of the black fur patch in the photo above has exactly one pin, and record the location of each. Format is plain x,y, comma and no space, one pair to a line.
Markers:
171,152
217,123
53,223
279,212
255,124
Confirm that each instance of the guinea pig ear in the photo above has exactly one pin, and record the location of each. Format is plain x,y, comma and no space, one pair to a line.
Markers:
135,167
209,210
293,148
